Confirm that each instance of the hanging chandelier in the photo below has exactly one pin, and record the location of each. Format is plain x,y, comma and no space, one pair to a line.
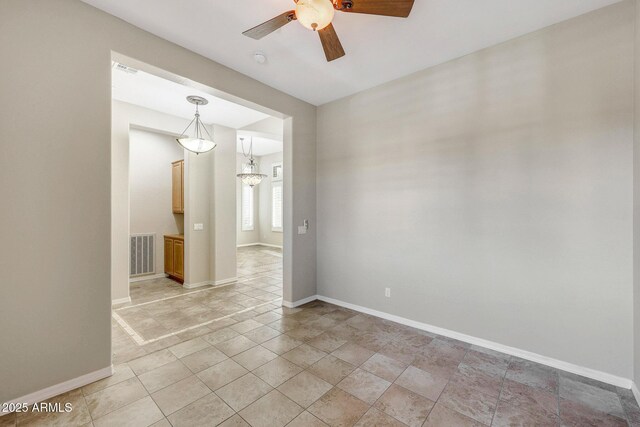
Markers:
197,143
251,177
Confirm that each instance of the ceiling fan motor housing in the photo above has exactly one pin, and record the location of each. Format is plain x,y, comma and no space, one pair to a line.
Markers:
344,4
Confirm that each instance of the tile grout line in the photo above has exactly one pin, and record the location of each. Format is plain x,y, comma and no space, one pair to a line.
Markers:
504,376
239,282
133,334
558,399
140,341
449,381
360,366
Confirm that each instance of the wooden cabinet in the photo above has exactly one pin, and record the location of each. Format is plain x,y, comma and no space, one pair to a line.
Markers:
177,179
168,255
178,258
174,256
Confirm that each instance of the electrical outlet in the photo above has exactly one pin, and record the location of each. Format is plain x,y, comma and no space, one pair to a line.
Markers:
387,292
198,227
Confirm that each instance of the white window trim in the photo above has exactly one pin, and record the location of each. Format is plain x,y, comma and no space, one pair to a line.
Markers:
251,226
276,178
273,186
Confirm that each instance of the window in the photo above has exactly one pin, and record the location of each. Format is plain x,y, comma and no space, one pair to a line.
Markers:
247,208
247,204
276,206
276,171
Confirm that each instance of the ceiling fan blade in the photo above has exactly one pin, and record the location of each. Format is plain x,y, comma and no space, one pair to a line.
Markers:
399,8
271,25
331,43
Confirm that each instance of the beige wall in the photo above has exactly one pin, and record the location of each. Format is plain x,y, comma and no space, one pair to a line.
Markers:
199,244
224,205
493,194
150,188
636,200
55,310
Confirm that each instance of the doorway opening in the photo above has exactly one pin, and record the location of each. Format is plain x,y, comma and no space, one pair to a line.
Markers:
259,228
180,268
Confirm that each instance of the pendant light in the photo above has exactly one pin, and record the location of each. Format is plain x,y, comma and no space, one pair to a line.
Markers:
252,177
197,143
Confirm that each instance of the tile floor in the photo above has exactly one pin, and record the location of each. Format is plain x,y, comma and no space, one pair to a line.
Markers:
317,365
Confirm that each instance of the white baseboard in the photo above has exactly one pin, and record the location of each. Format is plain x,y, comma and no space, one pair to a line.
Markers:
636,392
195,285
259,244
54,390
534,357
225,281
209,283
148,277
300,301
269,245
120,301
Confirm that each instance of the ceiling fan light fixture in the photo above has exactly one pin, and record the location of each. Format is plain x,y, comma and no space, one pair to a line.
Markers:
315,14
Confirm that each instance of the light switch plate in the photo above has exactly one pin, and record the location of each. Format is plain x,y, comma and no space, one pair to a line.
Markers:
302,229
198,227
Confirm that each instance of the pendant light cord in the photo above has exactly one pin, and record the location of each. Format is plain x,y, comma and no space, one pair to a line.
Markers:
198,125
251,163
250,148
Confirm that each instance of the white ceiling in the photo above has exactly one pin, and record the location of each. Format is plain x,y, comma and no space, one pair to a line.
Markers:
156,93
379,49
261,146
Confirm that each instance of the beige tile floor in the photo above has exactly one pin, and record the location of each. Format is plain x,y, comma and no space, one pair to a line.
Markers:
317,365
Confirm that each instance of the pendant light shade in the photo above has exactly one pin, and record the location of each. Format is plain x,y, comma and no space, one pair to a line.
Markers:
250,177
197,143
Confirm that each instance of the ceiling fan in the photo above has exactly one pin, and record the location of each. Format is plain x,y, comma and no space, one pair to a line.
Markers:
317,15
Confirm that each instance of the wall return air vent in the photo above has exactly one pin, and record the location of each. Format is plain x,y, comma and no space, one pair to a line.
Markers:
121,67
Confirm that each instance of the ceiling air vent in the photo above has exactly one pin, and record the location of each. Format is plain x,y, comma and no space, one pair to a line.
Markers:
124,68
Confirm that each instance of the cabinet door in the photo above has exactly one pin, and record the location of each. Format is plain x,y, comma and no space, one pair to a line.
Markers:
178,258
177,179
168,256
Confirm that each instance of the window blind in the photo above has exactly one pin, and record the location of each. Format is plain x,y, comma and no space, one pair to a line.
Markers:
276,206
247,208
